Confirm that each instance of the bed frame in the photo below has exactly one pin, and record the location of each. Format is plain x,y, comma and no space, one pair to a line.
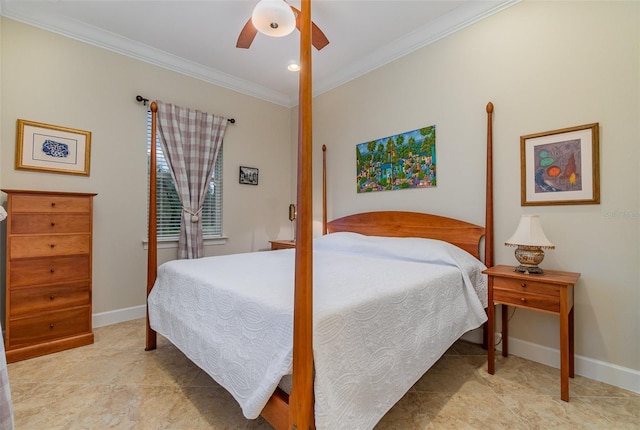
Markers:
296,411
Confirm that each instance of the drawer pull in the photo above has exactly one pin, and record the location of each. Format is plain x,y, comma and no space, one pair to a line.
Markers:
53,204
523,285
52,245
52,297
51,325
53,224
51,270
523,300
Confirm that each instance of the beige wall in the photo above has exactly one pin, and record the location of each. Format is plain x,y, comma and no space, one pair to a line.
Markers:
57,80
545,66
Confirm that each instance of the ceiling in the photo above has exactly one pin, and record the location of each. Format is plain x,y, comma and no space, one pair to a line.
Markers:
198,38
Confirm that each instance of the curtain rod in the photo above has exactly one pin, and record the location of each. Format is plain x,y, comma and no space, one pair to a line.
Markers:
144,102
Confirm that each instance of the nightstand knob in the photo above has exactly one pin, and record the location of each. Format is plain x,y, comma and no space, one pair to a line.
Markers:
53,204
52,297
51,270
52,245
53,224
523,285
523,300
51,325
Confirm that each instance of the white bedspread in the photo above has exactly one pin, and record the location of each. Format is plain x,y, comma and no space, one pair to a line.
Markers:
385,309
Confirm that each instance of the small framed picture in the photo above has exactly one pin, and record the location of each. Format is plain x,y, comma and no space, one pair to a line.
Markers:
560,167
51,148
248,175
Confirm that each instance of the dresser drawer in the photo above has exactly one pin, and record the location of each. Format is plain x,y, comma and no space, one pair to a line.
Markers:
50,223
49,270
50,203
48,326
528,300
526,286
34,300
48,245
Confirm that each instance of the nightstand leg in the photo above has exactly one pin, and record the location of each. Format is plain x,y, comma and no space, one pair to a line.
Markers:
491,336
564,347
505,330
571,349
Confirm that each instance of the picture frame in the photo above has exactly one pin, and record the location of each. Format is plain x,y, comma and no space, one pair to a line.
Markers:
561,167
248,175
402,161
52,149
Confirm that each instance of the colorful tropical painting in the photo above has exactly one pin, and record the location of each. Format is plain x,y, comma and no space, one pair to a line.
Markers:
557,166
406,160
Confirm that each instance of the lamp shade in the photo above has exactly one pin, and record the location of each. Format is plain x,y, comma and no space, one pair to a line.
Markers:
529,233
273,18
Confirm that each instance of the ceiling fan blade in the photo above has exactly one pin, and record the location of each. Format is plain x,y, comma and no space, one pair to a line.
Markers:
318,38
247,35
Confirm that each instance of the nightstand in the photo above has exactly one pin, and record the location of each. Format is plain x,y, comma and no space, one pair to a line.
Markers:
282,244
550,292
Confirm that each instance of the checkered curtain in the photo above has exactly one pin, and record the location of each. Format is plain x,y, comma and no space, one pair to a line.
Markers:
190,140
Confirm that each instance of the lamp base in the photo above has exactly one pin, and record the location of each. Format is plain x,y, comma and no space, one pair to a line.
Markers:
529,270
529,257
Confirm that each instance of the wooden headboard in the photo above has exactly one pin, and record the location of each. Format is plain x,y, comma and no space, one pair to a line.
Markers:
412,224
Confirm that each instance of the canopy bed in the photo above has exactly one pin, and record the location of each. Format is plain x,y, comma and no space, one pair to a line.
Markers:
314,355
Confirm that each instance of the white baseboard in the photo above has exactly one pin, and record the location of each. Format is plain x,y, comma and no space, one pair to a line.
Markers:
121,315
612,374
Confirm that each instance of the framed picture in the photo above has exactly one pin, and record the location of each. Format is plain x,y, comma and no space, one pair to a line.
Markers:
398,162
560,167
248,175
51,148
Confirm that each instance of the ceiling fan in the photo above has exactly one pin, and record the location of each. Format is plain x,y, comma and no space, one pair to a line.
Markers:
276,18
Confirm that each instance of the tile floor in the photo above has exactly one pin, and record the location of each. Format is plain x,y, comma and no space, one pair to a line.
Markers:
115,384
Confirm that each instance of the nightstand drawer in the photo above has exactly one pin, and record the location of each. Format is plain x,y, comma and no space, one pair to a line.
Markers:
527,300
526,286
282,244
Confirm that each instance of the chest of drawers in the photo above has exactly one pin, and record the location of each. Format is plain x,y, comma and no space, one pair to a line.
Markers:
48,272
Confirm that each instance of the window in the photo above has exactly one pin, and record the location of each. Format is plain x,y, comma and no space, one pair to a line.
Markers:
168,203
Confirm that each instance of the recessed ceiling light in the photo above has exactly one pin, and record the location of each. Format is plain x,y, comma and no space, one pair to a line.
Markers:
293,66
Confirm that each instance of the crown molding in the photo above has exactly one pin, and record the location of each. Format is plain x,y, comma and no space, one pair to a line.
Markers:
431,32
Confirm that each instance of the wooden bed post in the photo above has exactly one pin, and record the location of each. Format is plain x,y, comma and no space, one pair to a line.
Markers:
152,253
324,189
488,237
488,228
301,400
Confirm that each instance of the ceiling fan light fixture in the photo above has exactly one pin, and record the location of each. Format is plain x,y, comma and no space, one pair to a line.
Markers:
273,18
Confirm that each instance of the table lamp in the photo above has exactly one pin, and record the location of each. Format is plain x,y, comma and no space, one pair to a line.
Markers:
529,240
